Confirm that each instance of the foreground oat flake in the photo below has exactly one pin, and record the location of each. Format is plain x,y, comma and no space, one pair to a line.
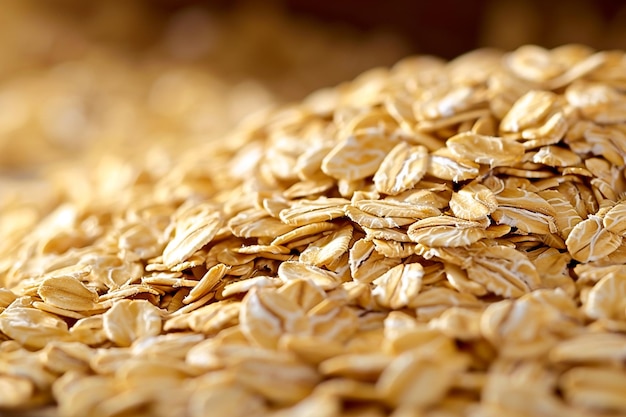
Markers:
434,239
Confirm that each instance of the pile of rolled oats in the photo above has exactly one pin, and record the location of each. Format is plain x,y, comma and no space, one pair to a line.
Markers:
436,239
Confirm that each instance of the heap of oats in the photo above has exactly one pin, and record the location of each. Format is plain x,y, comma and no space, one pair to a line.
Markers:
437,239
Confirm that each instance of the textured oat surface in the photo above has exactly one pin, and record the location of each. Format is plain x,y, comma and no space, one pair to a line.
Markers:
434,239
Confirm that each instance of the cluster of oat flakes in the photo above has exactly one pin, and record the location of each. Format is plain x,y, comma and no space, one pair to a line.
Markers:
437,239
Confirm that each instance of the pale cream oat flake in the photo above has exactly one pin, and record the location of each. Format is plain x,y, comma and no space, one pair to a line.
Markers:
528,111
447,102
459,323
256,223
309,187
358,156
530,326
67,292
398,209
303,292
209,320
503,271
88,330
402,168
397,287
77,393
590,241
242,287
190,237
332,319
282,381
613,220
555,156
15,391
208,281
129,320
365,367
6,297
490,150
369,220
591,347
328,248
32,327
311,349
266,315
304,212
226,401
262,249
524,199
446,122
459,279
292,270
566,217
301,232
525,221
596,388
548,133
446,231
61,312
126,292
366,264
62,357
522,388
393,249
607,298
418,379
447,166
473,202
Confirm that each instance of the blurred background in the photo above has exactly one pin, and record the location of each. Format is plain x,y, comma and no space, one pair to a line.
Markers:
80,78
